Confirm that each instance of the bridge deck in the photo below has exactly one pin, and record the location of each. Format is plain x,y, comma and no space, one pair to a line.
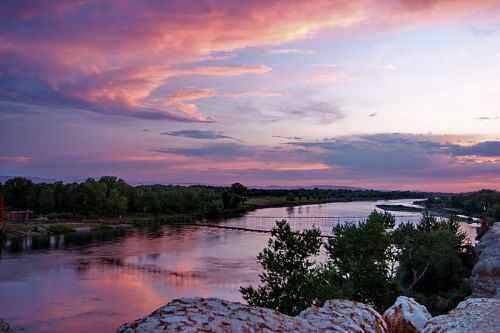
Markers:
220,226
318,217
264,224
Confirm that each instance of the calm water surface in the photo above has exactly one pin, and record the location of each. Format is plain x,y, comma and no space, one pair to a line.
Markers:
97,286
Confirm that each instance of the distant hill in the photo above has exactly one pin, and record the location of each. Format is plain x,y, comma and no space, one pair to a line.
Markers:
308,187
37,180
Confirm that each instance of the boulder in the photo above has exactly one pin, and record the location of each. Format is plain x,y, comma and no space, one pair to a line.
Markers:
344,316
473,315
486,272
5,327
215,315
406,316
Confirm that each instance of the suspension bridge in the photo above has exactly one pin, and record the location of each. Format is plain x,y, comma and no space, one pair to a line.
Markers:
264,224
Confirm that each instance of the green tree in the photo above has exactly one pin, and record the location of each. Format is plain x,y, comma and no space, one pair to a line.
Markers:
234,197
46,202
115,204
496,212
361,254
19,193
434,262
288,283
91,197
239,189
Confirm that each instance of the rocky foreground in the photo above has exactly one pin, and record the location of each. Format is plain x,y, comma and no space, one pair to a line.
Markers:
216,315
405,316
481,313
486,273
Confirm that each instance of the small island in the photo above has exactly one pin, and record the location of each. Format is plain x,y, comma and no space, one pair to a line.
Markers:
400,208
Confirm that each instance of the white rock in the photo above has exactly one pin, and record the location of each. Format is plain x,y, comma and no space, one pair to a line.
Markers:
344,316
215,315
481,315
486,273
406,316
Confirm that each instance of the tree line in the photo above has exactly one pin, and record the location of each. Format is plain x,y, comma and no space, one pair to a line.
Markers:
337,194
112,196
480,203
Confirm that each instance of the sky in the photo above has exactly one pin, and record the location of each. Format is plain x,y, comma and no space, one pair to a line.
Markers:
386,94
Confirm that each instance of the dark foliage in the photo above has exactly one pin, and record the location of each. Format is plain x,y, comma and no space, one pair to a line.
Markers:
361,255
435,263
481,203
369,262
290,272
335,194
111,196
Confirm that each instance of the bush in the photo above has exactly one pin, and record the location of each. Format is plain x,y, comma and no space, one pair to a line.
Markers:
60,229
102,228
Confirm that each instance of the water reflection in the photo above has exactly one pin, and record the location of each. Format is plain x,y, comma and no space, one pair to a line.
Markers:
54,242
97,286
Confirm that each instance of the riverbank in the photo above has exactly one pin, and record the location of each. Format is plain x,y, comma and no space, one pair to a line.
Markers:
446,213
62,226
480,204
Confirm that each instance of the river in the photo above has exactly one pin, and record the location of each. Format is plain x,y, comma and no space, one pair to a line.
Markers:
95,286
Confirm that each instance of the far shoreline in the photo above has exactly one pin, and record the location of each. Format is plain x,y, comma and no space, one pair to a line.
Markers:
41,228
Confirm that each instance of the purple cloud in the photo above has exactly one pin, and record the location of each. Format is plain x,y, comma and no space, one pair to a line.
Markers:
199,134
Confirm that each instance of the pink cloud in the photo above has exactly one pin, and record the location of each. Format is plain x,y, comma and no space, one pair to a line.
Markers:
149,158
126,32
178,100
189,95
329,75
478,159
255,165
15,159
254,93
116,55
291,51
131,89
224,70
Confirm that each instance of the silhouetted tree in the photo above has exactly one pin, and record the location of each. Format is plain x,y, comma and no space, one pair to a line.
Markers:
19,193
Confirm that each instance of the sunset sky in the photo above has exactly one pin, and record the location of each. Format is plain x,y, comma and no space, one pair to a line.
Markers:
395,94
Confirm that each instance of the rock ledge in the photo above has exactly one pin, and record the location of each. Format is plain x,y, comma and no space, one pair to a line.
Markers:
472,315
486,273
216,315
